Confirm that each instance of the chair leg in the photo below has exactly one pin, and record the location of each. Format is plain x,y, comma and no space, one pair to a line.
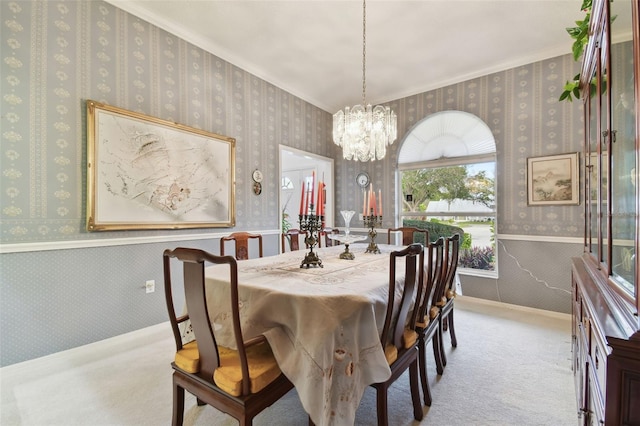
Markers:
381,397
243,421
178,405
443,356
422,357
415,391
452,330
436,341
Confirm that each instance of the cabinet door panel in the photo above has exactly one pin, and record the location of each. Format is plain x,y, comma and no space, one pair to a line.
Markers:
599,353
622,151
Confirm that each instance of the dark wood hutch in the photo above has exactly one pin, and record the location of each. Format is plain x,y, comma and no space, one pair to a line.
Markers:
606,296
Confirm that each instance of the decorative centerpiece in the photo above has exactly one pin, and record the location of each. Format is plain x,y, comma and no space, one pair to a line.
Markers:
312,222
347,215
347,239
372,220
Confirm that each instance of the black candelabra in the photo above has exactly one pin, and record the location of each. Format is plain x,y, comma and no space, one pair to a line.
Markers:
312,224
372,222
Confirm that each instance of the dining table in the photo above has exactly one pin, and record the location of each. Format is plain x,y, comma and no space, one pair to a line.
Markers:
322,323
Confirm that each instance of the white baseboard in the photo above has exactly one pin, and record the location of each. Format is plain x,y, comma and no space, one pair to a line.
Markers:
122,342
502,305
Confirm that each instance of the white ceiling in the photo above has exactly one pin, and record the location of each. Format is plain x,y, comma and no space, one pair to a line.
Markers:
313,48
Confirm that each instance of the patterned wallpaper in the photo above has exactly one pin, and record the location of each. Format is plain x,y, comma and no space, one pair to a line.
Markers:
58,54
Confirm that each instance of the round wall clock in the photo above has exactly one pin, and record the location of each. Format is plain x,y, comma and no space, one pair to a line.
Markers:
363,179
257,176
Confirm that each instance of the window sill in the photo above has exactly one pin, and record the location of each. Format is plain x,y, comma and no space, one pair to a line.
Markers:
478,273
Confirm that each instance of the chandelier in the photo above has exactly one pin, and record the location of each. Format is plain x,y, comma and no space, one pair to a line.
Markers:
363,131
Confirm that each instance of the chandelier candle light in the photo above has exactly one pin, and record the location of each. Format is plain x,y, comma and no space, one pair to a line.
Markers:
364,131
372,216
310,220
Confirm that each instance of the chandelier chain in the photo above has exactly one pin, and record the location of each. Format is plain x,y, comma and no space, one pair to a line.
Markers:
363,131
364,51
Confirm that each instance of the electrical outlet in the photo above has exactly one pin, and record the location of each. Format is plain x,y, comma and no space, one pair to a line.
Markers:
150,285
360,216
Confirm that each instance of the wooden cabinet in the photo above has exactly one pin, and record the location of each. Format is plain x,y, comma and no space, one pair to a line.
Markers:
606,301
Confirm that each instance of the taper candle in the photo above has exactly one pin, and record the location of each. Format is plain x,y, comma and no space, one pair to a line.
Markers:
313,186
319,198
364,202
375,204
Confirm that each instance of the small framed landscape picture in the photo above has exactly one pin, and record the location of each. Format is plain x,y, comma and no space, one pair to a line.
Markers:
553,180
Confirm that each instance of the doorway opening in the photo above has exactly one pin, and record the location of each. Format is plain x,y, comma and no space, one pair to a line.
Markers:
297,167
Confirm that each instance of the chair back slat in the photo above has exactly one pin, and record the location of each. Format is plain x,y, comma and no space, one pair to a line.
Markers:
432,275
195,298
451,252
397,314
241,240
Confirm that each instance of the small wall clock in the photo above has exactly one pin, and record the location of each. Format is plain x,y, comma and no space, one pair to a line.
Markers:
363,179
257,179
257,176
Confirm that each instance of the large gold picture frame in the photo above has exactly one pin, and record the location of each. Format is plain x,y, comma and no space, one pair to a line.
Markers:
147,173
553,180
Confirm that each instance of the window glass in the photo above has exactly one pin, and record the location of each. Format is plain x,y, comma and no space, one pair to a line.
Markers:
453,199
447,181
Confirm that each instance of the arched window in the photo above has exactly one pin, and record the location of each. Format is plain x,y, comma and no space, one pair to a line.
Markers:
446,169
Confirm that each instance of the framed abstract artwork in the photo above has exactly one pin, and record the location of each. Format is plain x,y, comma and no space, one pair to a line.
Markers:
553,180
148,173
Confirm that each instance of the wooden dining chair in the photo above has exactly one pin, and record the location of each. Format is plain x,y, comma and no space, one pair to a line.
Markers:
240,382
409,235
449,266
242,244
451,253
291,239
427,324
399,338
324,235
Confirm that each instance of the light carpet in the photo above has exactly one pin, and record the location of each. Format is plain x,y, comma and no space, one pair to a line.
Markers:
512,366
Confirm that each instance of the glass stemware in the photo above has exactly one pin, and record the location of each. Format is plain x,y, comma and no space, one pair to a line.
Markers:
347,215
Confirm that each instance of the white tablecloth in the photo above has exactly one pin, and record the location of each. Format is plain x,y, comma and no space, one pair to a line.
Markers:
323,324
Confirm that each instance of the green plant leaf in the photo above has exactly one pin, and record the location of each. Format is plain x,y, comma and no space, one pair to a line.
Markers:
576,92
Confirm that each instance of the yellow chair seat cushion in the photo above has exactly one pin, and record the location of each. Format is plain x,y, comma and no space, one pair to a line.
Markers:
434,311
188,358
263,369
409,338
390,353
424,323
